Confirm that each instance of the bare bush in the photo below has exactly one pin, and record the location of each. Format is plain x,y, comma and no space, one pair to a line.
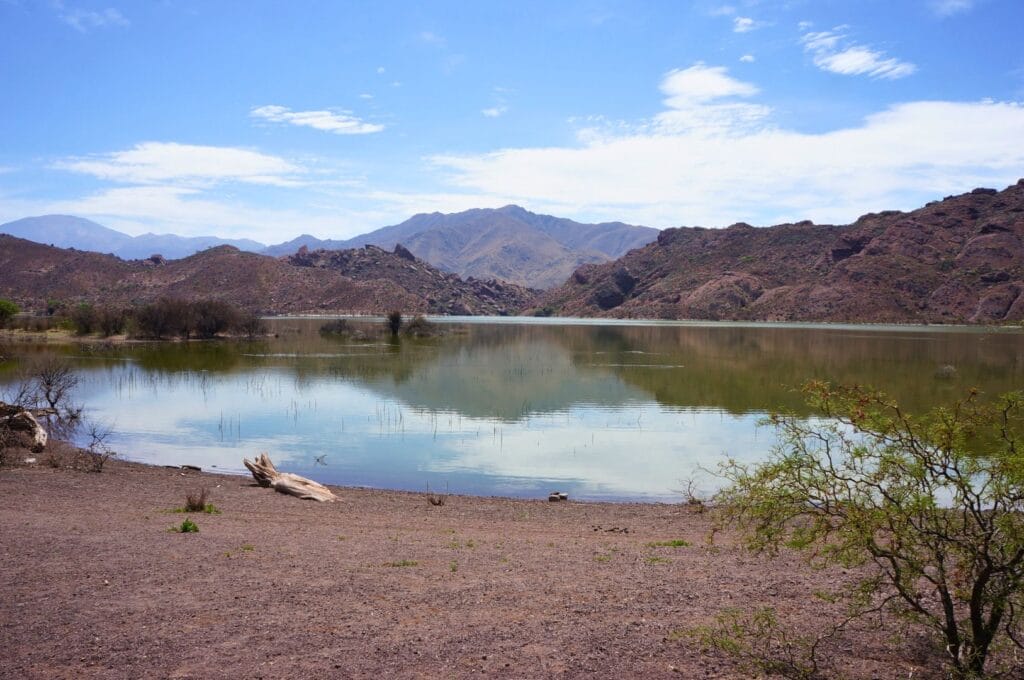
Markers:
251,325
97,452
196,502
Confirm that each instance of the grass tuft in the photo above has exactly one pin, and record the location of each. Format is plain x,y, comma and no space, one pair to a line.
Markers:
401,563
186,527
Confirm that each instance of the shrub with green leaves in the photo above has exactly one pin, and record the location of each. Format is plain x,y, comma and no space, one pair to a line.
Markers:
186,527
7,310
932,505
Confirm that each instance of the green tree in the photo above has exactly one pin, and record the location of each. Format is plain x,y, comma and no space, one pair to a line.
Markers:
84,319
933,504
210,317
7,310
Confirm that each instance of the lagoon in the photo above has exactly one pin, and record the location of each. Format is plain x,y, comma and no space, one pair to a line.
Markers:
511,407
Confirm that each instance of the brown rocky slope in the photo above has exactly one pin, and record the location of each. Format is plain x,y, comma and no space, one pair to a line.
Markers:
32,273
441,292
956,260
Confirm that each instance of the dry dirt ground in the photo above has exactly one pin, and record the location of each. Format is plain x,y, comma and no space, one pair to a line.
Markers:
94,585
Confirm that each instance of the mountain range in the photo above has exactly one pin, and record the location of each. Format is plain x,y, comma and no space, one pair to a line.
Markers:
958,260
510,243
68,231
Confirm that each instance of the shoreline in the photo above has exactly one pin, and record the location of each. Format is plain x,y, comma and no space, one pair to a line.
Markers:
381,582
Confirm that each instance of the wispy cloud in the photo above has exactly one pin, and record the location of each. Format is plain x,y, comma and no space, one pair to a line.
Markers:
748,59
186,165
946,8
431,38
743,24
84,20
500,106
832,52
339,122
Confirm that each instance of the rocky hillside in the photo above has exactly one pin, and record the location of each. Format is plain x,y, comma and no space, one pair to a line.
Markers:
32,273
442,293
510,243
956,260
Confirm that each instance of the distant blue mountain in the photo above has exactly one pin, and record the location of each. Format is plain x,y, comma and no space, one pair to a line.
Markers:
67,231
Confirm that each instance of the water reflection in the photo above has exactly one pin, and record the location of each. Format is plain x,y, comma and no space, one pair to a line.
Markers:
610,412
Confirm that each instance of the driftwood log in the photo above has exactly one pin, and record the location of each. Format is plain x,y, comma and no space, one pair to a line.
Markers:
266,475
18,419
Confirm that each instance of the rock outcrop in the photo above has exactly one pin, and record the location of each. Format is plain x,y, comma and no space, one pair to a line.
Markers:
959,260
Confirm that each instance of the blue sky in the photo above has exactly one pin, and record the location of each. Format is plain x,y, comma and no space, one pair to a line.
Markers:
269,119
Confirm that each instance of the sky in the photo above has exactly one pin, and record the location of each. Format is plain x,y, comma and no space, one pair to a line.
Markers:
267,120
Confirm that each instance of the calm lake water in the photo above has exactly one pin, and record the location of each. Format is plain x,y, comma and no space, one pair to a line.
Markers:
512,408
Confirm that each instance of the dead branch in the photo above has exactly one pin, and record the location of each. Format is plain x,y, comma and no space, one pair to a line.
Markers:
266,475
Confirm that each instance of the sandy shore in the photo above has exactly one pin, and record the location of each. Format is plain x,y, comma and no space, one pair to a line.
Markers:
381,584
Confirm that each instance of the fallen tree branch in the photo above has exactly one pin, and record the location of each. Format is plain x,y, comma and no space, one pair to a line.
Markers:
266,475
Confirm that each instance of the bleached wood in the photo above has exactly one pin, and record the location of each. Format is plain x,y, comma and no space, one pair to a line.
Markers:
266,475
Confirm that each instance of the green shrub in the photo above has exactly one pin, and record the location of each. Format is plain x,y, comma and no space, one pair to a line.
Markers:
7,310
186,527
931,505
83,319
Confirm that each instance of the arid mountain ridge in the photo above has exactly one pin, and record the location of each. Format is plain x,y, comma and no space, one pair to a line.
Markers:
368,280
959,260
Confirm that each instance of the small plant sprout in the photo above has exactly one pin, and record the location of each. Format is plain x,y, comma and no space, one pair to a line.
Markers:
186,527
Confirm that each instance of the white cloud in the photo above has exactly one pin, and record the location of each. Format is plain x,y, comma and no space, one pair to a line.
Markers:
186,164
494,111
722,11
945,8
338,122
831,53
732,164
700,83
380,70
366,95
748,59
743,25
83,20
693,105
804,26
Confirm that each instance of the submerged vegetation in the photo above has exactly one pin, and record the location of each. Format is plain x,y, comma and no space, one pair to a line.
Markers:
931,507
394,325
